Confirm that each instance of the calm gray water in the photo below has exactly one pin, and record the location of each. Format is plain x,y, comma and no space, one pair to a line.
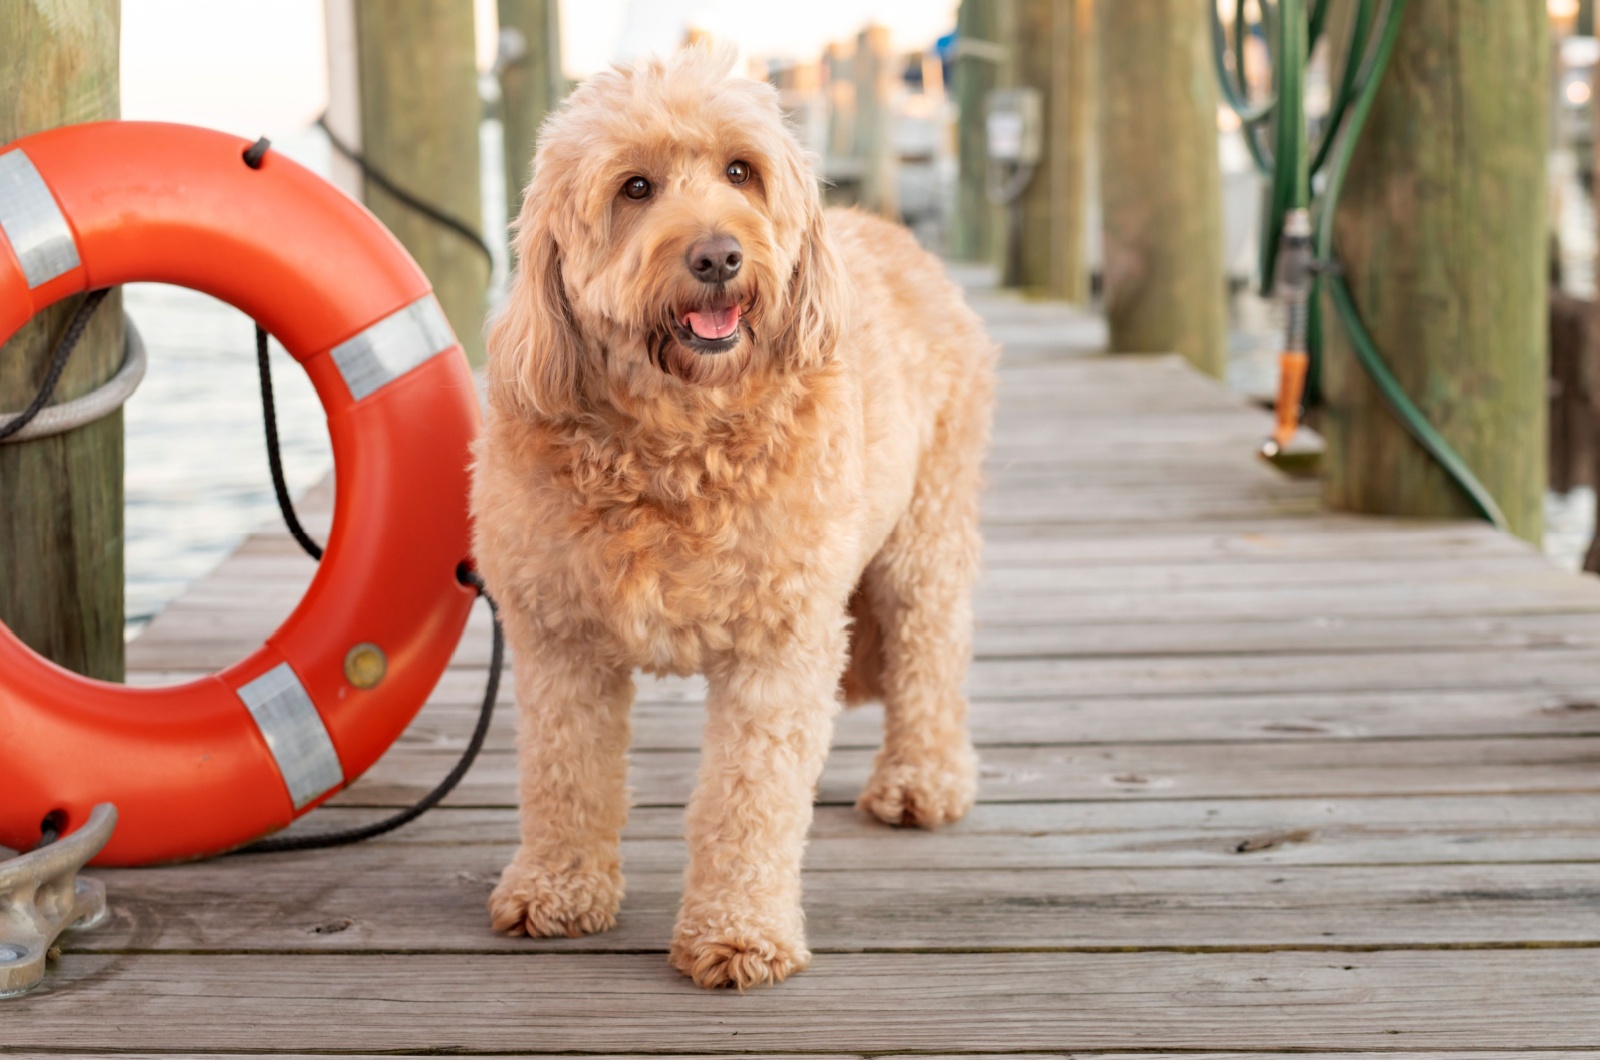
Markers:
196,473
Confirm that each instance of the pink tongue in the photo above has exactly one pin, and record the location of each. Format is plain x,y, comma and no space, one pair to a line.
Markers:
714,323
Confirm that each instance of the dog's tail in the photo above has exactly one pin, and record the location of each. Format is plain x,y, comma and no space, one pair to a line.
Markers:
863,677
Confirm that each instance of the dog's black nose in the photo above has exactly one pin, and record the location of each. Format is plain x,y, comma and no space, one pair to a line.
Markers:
715,259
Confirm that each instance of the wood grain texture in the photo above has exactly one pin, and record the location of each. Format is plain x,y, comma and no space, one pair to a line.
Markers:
1052,46
1160,183
218,639
61,517
662,723
875,73
974,226
1488,1054
1445,208
1422,999
1190,833
1065,773
433,900
1111,834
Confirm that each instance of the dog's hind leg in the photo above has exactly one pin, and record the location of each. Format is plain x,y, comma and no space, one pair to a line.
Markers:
920,587
572,747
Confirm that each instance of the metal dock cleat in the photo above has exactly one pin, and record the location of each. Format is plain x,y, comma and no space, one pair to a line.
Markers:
41,895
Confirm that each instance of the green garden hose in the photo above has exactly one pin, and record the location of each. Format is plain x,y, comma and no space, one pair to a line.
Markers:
1293,164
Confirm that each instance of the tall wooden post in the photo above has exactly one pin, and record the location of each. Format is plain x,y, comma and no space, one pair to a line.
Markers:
838,62
61,497
1072,159
1441,231
874,124
531,84
1054,55
1160,187
974,234
419,125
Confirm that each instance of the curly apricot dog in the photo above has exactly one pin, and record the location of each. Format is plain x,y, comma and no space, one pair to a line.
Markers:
728,434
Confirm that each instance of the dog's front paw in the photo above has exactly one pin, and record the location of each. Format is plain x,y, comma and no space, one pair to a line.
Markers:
922,792
736,957
532,899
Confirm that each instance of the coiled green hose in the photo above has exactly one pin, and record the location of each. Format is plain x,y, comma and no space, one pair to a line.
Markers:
1293,165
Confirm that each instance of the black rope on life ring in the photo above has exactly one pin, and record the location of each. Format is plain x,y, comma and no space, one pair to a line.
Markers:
464,574
253,157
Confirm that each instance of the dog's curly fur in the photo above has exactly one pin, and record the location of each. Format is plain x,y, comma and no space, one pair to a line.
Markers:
796,517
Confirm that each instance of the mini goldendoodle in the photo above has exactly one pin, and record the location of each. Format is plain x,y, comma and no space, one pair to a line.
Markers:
733,434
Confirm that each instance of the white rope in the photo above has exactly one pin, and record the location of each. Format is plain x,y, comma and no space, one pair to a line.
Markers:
58,419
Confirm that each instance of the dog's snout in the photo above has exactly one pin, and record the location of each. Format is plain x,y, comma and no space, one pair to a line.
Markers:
715,259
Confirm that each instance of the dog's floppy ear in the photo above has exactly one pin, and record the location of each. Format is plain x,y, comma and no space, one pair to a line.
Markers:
810,328
533,343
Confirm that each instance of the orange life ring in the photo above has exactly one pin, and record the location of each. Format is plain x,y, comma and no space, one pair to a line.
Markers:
210,765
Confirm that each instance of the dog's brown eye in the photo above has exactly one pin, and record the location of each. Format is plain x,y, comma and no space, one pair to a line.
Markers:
738,172
636,188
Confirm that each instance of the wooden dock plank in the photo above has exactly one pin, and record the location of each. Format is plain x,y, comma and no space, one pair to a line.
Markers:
1487,1054
1322,769
1198,833
223,642
1274,1001
1276,717
432,899
1241,673
1537,592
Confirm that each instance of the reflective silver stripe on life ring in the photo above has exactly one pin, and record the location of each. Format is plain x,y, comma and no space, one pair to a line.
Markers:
34,225
294,733
393,346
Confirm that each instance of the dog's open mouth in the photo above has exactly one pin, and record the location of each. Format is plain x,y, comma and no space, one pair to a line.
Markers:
709,329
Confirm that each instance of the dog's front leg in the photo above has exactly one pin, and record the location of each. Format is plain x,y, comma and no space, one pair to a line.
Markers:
572,748
768,725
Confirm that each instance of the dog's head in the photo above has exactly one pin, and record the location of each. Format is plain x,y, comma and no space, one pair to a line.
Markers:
672,237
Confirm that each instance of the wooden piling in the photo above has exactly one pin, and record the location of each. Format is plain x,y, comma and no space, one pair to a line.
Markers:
1573,429
420,113
1441,232
1054,53
1591,559
975,228
875,75
1072,160
531,84
61,576
1160,187
838,65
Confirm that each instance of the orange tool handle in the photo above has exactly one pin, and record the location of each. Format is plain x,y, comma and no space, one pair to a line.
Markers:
1292,368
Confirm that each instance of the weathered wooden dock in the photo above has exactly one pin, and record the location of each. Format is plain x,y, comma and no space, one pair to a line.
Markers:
1256,778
